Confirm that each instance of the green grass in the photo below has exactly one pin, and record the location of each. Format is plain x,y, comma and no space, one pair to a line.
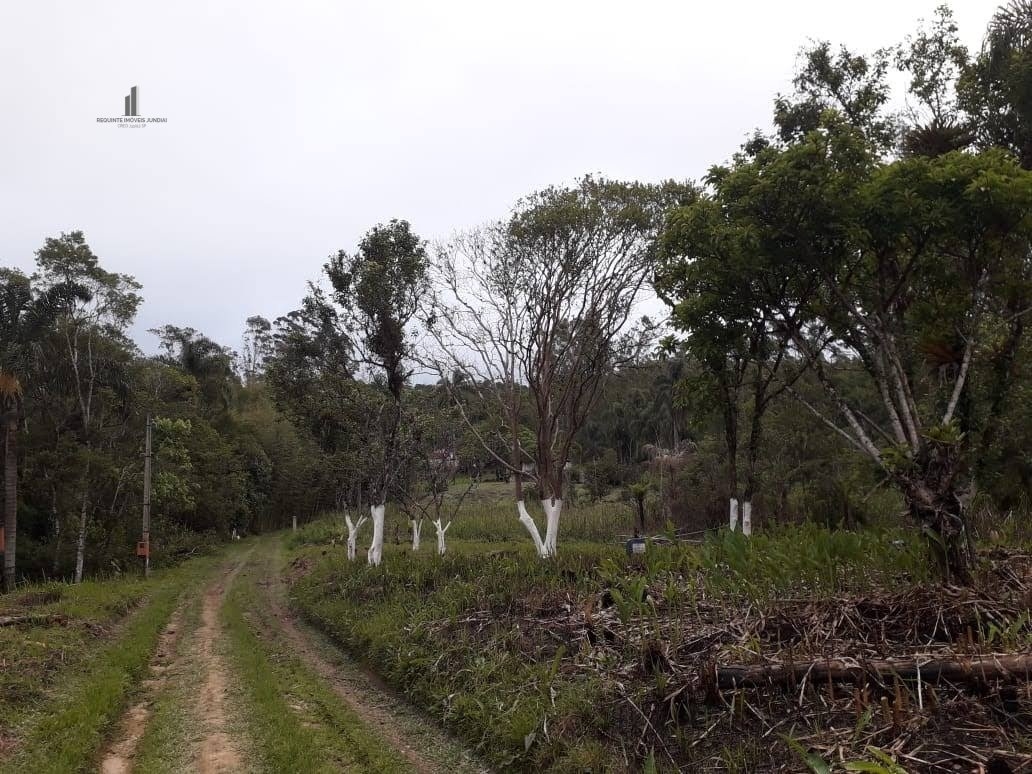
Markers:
296,720
88,675
804,560
166,743
494,698
479,637
488,514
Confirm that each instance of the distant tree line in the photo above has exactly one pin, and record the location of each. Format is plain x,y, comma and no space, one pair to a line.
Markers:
849,296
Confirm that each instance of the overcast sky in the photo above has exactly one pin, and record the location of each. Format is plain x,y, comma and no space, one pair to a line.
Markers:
295,126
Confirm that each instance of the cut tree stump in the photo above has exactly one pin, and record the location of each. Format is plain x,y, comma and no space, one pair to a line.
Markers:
958,668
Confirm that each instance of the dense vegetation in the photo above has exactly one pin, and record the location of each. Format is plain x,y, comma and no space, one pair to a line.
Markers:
843,381
849,298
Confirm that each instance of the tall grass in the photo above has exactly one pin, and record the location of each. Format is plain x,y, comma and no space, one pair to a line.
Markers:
810,560
491,516
466,634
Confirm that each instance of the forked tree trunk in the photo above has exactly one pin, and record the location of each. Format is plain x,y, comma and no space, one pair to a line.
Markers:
441,529
10,500
527,521
375,553
353,528
546,546
417,528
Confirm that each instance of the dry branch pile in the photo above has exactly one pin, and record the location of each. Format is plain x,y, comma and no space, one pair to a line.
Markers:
938,677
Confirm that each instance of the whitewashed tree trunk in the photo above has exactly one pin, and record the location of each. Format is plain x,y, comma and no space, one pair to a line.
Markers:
548,545
733,514
417,529
353,528
746,518
441,529
553,508
293,523
375,554
532,528
80,546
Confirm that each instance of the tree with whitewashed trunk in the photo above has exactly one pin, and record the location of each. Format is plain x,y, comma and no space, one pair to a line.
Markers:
740,356
310,371
536,311
427,490
380,287
353,527
905,270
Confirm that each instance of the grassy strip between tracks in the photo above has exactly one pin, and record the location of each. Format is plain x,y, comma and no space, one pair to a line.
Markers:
297,721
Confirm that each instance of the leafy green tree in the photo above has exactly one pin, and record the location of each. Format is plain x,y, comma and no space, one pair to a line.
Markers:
91,340
853,85
26,315
933,59
994,89
258,347
210,363
379,290
881,264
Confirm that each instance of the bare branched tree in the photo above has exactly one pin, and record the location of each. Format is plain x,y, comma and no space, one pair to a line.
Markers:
535,311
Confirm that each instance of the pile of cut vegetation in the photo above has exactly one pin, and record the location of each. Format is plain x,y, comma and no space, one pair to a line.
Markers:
811,648
934,676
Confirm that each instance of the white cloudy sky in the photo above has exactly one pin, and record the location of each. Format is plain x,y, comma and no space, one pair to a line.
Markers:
295,126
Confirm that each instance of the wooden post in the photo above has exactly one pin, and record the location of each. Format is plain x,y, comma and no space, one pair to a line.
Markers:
148,454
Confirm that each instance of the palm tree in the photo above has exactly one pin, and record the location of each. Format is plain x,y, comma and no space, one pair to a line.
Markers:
1002,94
1009,33
25,316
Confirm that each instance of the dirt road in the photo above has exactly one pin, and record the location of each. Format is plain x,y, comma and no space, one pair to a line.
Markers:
239,684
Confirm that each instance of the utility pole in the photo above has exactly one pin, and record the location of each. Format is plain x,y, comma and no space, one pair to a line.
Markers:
144,547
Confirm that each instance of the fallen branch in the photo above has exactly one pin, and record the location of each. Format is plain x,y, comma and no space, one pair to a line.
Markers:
956,668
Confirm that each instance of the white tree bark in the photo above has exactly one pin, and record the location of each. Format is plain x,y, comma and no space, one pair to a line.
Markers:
375,554
441,529
553,508
293,523
417,528
746,518
80,546
353,528
733,514
532,528
548,545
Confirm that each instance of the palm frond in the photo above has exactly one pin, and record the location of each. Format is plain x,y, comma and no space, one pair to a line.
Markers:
1010,30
